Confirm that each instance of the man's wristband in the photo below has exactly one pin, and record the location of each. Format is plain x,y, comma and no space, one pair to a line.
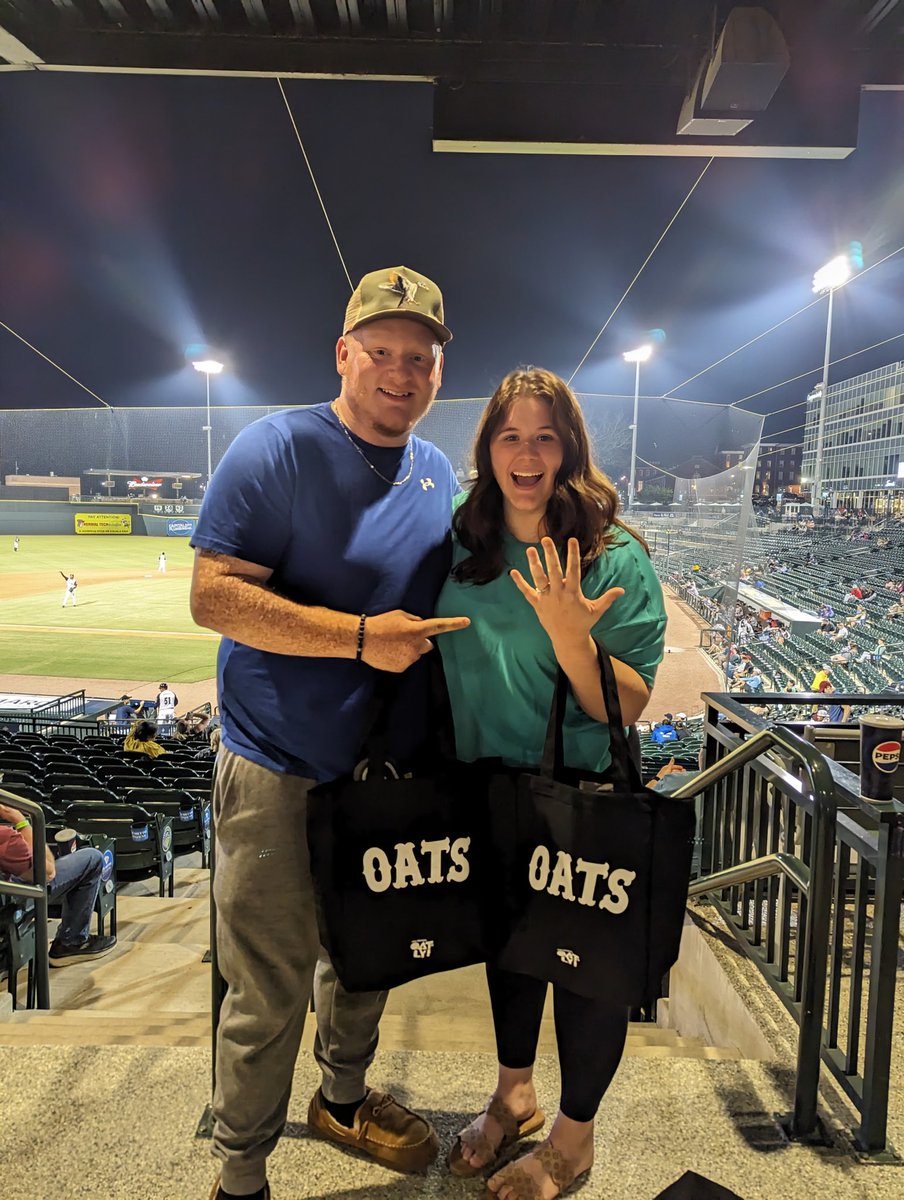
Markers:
359,648
23,824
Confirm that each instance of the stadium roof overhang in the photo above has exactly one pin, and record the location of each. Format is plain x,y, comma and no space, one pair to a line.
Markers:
510,76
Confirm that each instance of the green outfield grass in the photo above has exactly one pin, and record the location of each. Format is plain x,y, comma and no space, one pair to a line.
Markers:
128,618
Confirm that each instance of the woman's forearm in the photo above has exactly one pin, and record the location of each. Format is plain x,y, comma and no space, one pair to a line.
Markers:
581,666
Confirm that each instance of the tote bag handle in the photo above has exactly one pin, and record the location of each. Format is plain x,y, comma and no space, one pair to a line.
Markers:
623,771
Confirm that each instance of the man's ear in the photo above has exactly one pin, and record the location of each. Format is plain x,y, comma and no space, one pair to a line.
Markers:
342,352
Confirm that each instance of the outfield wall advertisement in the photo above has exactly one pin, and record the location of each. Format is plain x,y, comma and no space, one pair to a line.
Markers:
98,522
181,528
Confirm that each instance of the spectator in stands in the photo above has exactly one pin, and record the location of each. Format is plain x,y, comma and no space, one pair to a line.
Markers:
845,655
821,675
878,651
836,712
745,631
841,634
141,739
856,592
752,681
213,745
125,713
72,881
298,666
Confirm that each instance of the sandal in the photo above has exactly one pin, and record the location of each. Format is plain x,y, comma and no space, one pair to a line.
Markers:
553,1162
475,1139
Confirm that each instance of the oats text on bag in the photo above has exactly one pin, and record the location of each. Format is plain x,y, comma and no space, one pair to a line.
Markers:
443,861
559,880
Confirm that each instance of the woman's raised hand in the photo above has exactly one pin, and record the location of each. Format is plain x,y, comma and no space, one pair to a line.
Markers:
561,606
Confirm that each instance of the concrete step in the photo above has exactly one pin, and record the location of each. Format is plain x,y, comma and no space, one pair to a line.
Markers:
100,1027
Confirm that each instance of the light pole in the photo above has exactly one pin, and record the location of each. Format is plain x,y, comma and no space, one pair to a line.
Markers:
641,354
208,367
826,281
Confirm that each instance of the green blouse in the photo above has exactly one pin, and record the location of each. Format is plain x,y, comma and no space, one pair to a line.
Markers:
501,670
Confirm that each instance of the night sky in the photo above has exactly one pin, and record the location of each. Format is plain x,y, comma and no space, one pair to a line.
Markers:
140,214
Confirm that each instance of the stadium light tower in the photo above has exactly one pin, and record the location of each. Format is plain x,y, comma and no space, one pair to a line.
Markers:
208,367
638,356
826,282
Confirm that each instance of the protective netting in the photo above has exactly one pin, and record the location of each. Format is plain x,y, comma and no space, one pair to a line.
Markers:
692,509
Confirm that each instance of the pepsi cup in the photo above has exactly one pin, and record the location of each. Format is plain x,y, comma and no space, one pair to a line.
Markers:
880,755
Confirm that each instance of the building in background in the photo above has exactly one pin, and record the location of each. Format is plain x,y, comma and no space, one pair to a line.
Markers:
863,449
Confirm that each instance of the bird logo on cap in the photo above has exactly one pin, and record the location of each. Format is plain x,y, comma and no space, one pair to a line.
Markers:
402,286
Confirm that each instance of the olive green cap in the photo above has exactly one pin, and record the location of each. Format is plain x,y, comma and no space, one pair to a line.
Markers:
397,292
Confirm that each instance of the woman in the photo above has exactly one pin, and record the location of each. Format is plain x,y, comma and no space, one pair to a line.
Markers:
141,740
542,564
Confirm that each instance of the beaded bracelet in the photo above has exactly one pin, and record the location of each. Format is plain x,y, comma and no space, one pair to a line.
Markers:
360,646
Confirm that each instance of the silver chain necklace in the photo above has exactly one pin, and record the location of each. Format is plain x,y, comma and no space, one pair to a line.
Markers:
379,474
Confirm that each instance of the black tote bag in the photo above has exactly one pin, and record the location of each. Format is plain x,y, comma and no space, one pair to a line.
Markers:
399,866
596,879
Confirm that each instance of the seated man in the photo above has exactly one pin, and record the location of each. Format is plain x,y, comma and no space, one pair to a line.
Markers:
73,881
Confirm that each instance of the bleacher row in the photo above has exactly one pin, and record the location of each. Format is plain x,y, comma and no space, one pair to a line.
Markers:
152,809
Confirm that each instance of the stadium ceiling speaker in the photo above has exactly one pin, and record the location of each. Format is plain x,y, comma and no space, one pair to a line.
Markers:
740,78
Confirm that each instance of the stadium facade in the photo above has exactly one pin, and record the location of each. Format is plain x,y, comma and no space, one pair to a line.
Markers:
863,450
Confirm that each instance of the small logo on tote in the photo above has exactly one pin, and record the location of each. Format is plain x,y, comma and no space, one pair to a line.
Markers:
569,958
421,948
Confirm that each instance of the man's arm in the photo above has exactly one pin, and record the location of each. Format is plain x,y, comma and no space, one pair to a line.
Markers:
231,596
14,817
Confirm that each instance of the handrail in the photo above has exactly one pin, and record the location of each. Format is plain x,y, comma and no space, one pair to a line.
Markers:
818,781
36,891
779,863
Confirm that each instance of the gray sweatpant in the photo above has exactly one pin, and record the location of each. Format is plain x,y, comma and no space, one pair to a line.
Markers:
270,955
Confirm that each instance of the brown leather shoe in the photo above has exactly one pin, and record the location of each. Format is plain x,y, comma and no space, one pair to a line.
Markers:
383,1129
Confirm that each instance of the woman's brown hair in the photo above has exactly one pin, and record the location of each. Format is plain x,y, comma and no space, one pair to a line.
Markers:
584,504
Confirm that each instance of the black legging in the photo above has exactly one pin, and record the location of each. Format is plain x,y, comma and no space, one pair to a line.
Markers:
590,1035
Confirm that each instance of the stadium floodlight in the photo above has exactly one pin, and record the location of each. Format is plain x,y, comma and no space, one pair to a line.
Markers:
208,367
826,282
834,274
638,356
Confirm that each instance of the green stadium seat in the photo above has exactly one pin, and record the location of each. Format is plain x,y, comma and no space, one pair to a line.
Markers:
143,841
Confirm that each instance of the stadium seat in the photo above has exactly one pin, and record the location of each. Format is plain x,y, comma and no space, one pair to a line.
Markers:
10,777
105,904
17,944
61,797
191,817
61,779
143,841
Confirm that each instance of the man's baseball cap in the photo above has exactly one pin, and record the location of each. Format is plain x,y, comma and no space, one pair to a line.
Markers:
397,292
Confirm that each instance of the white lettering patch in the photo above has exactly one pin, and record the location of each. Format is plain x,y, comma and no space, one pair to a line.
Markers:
558,879
438,861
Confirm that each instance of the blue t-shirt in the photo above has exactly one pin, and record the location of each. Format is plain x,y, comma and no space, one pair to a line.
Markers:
292,494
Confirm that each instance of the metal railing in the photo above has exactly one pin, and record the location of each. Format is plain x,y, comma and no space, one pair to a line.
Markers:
36,891
63,707
809,877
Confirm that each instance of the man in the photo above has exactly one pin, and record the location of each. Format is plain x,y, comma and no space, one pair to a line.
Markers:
836,712
161,562
69,593
166,705
320,550
73,880
15,545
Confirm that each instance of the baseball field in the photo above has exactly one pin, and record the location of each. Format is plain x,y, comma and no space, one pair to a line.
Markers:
130,621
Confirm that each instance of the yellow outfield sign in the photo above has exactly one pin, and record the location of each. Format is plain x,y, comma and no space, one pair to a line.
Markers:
103,522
